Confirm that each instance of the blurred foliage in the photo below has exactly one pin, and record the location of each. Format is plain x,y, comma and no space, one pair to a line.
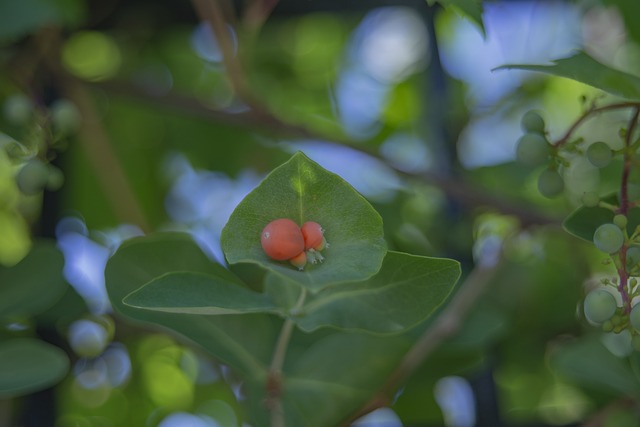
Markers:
122,115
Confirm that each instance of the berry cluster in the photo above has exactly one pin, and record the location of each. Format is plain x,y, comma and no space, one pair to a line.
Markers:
283,240
534,150
601,306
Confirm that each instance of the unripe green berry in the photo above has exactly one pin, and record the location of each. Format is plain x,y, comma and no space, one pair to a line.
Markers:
608,238
599,154
600,306
532,122
621,221
33,177
88,338
532,149
550,183
633,257
18,109
590,199
65,116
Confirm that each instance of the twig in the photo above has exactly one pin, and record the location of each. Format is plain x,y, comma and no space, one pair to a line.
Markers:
446,325
274,380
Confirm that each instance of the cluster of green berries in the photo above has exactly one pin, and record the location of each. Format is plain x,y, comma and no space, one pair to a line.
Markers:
534,150
283,240
42,127
600,305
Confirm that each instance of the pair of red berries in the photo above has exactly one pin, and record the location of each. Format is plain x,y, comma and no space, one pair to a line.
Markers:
283,240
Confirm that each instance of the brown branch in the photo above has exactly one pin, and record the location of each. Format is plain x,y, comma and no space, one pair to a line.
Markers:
445,325
593,110
211,12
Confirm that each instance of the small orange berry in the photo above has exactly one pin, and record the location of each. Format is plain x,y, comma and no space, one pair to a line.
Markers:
282,239
299,261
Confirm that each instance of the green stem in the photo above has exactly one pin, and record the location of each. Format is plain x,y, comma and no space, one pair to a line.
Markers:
274,380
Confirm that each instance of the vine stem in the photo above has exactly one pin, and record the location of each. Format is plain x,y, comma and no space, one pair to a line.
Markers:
588,114
274,380
624,209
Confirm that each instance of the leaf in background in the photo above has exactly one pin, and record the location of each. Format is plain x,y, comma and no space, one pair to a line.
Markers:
587,362
405,292
244,341
583,68
303,191
197,293
584,221
19,18
471,9
328,377
28,365
34,284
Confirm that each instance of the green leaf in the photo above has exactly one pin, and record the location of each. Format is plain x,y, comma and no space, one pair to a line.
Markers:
243,341
471,9
583,68
405,292
28,365
197,293
303,191
584,221
34,284
21,17
589,363
338,372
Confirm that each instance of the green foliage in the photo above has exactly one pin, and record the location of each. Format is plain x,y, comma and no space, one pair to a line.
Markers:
241,341
34,284
405,292
196,293
302,191
471,9
601,370
584,221
21,17
28,365
583,68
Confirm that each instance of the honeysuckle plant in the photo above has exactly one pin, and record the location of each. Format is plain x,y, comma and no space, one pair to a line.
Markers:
326,335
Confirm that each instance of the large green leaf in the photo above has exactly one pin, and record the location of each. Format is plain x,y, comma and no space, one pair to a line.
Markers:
197,293
587,362
583,68
405,292
471,9
337,372
243,341
34,284
584,221
28,365
303,191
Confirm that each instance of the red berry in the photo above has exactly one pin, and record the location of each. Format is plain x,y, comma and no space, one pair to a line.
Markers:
313,236
282,239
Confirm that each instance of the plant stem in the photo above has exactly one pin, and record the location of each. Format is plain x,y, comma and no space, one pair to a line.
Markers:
274,380
587,114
